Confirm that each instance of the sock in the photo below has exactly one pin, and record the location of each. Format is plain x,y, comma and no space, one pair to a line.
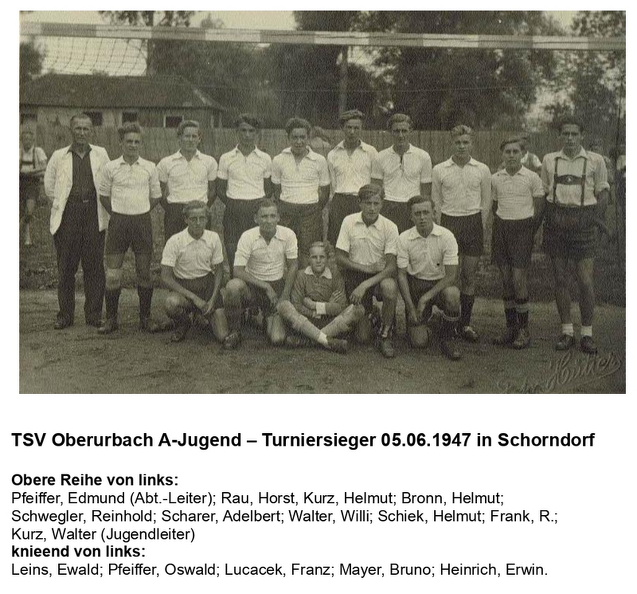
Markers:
145,299
522,310
111,298
586,331
568,329
509,311
466,307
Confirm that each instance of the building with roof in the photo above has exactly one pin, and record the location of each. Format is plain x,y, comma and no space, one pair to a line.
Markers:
160,101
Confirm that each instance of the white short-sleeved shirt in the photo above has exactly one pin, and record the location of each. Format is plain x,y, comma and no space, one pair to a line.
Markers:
571,195
34,158
187,180
245,175
461,191
514,193
367,244
300,182
130,187
266,261
349,173
426,257
192,258
402,176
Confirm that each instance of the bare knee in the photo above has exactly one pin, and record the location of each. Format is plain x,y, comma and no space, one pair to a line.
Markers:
451,300
389,289
234,289
174,305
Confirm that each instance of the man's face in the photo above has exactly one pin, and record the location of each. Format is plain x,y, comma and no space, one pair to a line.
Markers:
318,259
298,138
267,218
189,139
27,139
352,129
131,143
370,208
81,129
512,155
462,146
247,134
571,136
196,221
400,132
422,214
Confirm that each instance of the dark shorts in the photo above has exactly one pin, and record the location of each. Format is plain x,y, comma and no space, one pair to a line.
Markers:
258,298
340,206
125,231
399,213
203,287
467,231
568,236
29,188
512,242
353,278
237,218
306,220
417,288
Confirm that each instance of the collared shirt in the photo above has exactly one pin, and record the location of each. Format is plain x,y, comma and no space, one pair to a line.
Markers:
266,261
245,175
187,180
192,258
367,244
514,193
300,181
34,158
426,257
461,191
130,187
83,187
571,194
402,175
350,172
325,288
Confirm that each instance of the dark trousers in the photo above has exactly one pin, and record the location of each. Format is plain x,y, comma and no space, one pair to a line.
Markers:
306,221
78,239
340,206
399,213
237,218
174,221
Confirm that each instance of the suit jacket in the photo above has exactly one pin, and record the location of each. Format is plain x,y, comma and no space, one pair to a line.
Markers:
58,181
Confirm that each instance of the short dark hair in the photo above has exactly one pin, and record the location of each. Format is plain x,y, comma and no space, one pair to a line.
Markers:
194,205
266,203
350,114
398,118
80,116
188,124
370,190
512,140
248,118
293,123
461,130
128,128
418,199
570,120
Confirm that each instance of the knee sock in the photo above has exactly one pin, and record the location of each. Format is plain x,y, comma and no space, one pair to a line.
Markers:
522,310
510,311
145,299
111,298
466,307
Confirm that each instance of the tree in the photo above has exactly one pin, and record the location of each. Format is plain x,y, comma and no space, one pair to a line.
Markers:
440,87
31,61
594,81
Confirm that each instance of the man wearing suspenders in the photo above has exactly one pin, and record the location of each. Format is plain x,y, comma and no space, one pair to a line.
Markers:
576,185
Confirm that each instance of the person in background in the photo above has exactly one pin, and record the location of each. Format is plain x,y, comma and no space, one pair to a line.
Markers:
32,168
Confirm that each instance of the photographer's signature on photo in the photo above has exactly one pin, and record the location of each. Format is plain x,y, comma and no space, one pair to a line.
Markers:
568,371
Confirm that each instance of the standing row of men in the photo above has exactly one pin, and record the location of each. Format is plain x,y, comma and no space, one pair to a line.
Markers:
456,193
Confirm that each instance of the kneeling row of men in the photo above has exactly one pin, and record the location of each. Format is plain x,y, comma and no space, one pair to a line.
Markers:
313,303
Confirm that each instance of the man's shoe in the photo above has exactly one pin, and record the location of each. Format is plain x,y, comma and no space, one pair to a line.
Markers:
180,331
587,345
522,340
566,342
109,326
337,345
294,341
62,323
450,350
507,338
386,348
469,334
232,341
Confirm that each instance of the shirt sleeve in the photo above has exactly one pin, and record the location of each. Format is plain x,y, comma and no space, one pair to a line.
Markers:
291,247
494,188
155,188
450,250
169,255
338,290
105,181
298,290
425,173
242,255
217,250
324,174
343,243
212,169
601,176
162,171
402,258
276,171
537,187
391,242
436,189
267,171
485,189
40,157
222,173
377,169
50,176
544,174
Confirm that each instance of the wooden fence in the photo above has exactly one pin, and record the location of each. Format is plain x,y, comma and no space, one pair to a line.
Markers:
160,142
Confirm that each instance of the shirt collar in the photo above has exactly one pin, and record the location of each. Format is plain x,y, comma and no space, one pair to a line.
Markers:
327,273
180,155
450,162
70,149
413,232
255,150
277,234
359,220
361,145
409,149
311,155
582,153
121,161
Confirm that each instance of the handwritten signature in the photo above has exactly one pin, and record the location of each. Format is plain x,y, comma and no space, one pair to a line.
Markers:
568,369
